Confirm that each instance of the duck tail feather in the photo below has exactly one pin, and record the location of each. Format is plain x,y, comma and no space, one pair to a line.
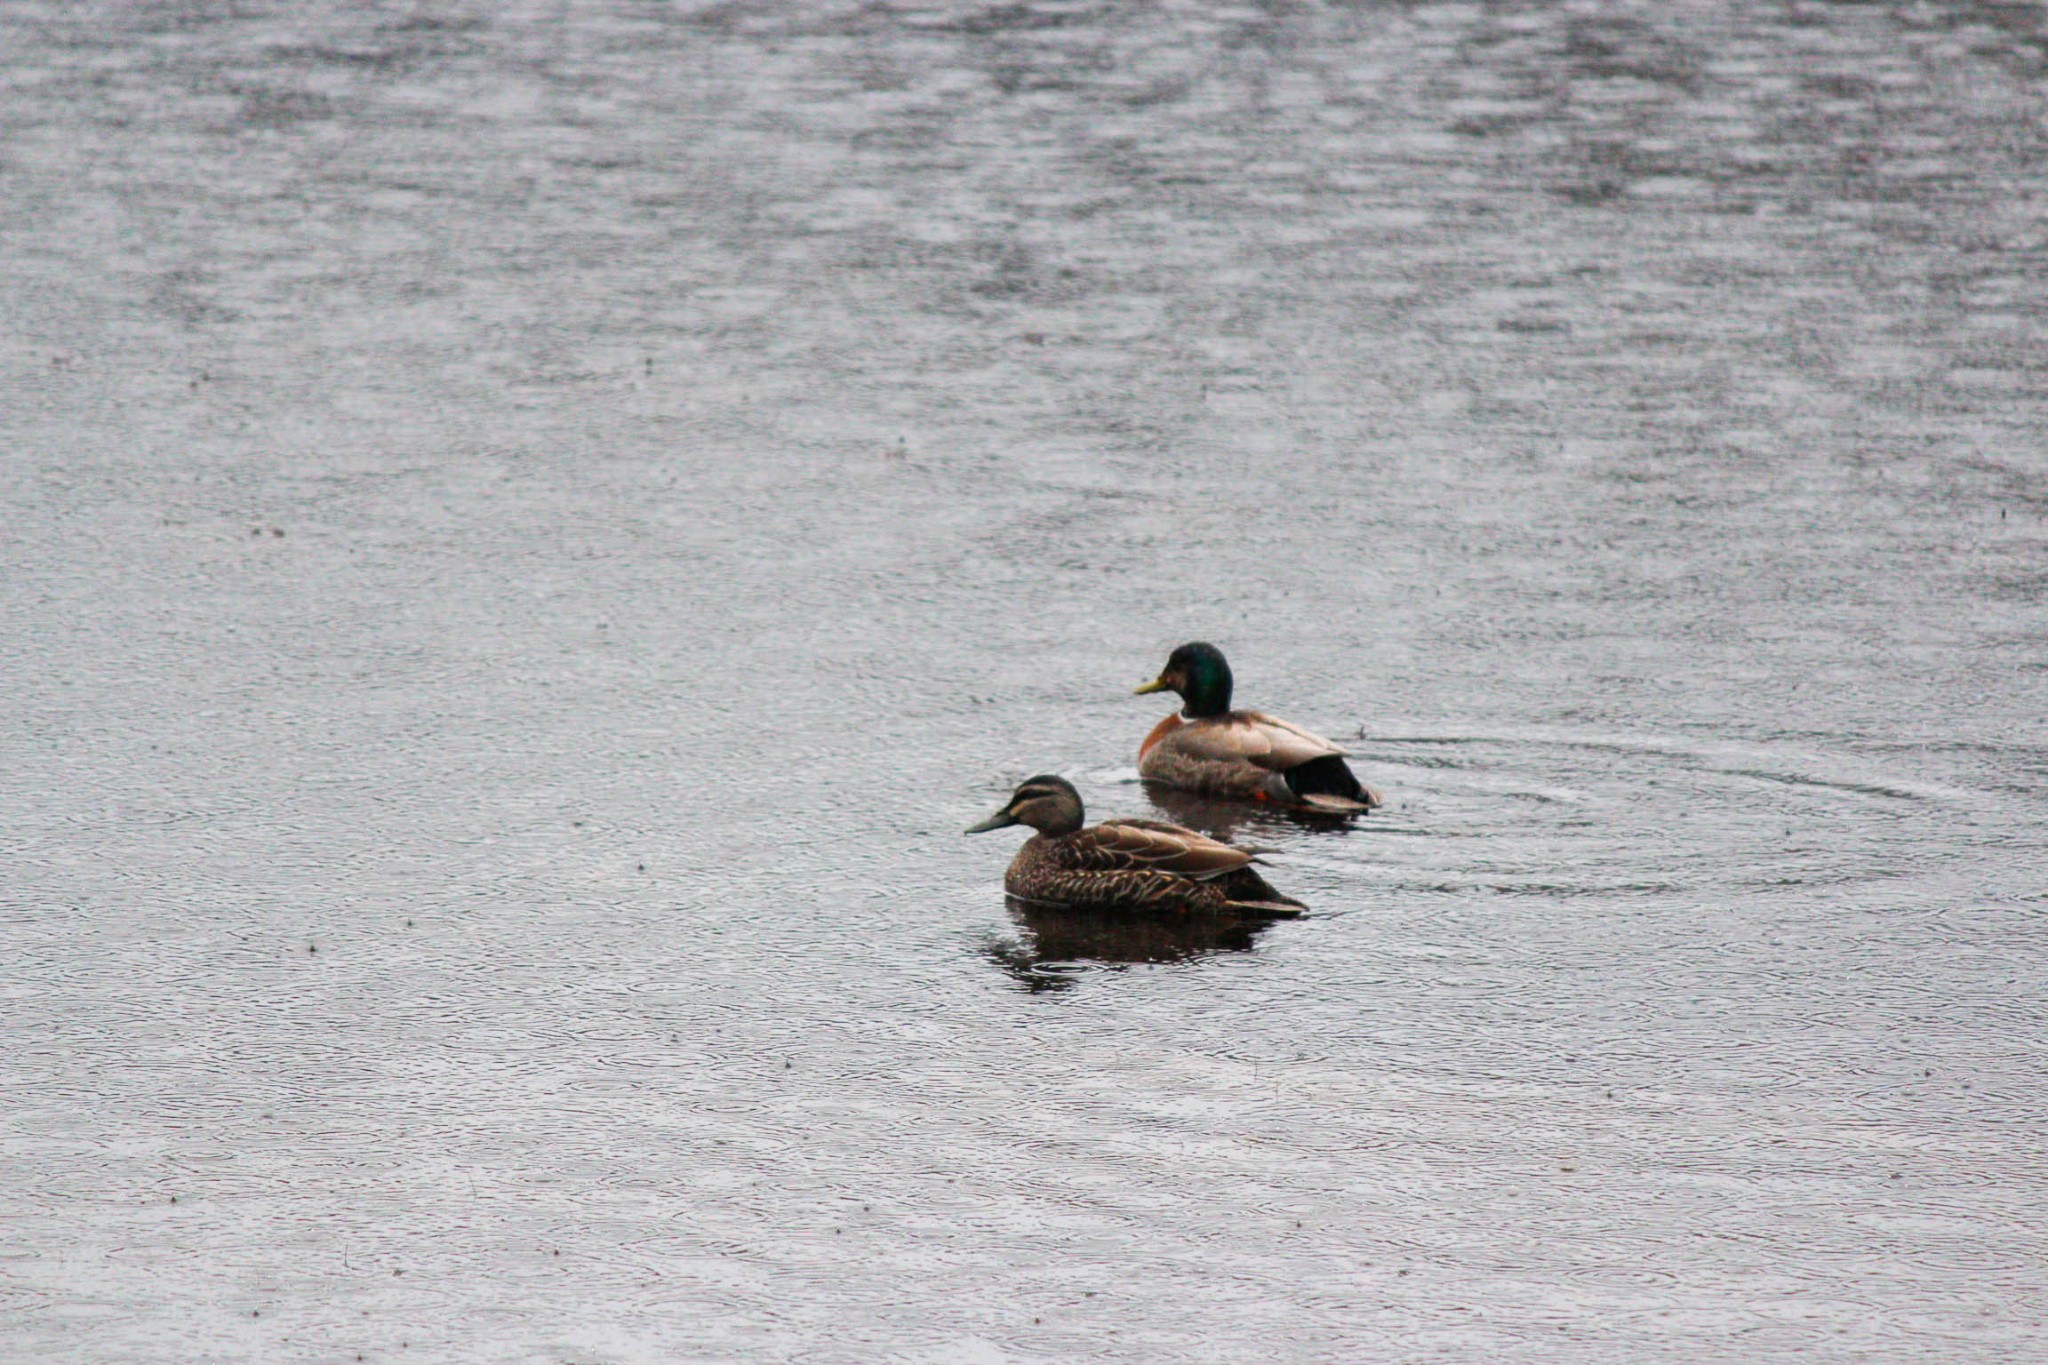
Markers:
1327,783
1269,909
1336,805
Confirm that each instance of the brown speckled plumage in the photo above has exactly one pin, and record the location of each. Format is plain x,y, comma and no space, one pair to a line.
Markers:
1132,865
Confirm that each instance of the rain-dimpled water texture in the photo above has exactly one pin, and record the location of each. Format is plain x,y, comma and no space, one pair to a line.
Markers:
530,528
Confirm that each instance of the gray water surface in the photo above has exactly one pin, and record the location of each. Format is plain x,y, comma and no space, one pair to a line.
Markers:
530,528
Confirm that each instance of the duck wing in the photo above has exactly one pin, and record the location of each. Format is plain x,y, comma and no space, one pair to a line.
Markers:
1152,846
1253,737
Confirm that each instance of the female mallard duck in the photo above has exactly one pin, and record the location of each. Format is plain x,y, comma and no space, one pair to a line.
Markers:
1242,755
1140,865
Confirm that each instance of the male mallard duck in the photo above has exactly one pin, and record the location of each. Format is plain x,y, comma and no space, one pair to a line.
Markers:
1142,865
1243,755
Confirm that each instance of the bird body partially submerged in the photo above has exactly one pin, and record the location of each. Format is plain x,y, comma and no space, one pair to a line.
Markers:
1214,751
1132,865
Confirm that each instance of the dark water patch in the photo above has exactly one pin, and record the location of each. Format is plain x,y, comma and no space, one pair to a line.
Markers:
1053,945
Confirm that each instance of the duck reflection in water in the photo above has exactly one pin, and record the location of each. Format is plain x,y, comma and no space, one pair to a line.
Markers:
1056,942
1226,820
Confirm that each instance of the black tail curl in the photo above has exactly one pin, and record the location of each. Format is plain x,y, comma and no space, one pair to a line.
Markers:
1327,776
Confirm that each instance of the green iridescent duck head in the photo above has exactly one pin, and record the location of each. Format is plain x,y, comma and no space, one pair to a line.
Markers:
1199,673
